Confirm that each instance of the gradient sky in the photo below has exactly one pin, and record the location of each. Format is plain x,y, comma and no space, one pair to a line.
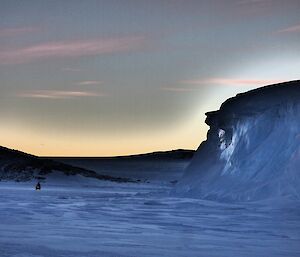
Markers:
117,77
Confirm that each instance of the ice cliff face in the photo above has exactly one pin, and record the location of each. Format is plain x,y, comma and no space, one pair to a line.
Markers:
252,150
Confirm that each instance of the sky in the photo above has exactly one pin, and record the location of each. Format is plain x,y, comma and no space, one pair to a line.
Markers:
120,77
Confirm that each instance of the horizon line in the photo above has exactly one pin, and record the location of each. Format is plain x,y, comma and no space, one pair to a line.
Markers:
112,156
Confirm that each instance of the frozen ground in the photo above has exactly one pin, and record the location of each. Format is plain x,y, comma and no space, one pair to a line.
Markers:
139,220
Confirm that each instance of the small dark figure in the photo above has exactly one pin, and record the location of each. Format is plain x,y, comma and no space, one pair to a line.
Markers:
38,186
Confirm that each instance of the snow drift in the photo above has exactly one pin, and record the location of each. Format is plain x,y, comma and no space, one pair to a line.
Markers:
252,150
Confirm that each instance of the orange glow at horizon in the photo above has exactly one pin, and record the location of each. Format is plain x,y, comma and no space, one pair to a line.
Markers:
72,145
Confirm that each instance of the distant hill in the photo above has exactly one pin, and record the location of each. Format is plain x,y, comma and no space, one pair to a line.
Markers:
160,155
21,167
173,154
157,166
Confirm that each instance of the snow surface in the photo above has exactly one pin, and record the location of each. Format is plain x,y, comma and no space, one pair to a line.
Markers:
252,151
137,220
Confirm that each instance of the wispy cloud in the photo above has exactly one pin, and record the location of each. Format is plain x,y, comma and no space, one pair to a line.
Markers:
89,83
10,32
58,94
67,49
292,29
252,1
71,69
194,85
178,89
232,82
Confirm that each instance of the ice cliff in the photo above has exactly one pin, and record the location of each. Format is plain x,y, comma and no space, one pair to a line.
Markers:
252,151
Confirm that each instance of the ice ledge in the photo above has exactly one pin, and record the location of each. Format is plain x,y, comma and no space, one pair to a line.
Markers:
255,102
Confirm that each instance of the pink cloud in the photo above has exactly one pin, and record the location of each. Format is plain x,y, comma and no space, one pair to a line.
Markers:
292,29
10,32
65,49
232,82
89,82
58,94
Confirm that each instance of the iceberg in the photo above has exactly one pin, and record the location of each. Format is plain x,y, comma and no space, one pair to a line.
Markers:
252,150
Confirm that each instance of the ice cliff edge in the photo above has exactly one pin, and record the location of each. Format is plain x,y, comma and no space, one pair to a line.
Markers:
252,151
